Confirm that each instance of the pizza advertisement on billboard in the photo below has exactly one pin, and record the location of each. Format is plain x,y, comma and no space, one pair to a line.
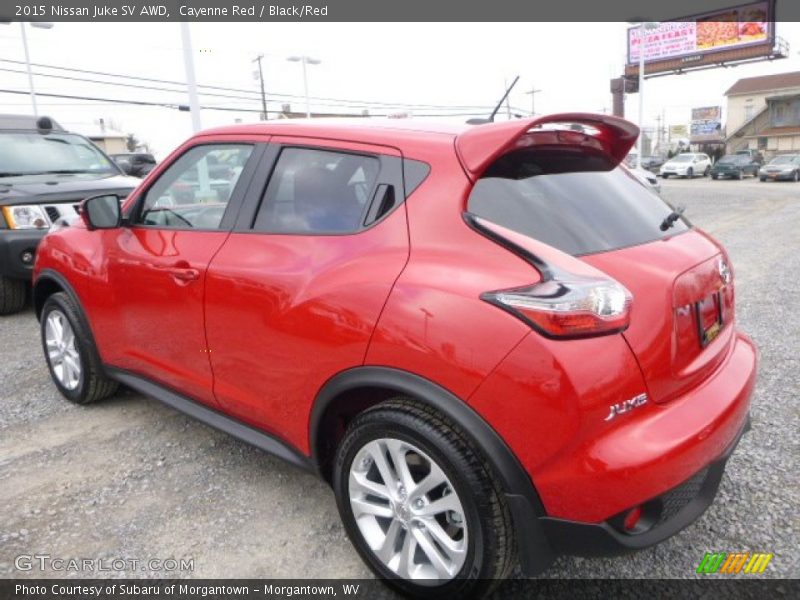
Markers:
731,28
706,125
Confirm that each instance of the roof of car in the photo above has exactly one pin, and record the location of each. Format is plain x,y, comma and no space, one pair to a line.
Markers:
325,126
25,122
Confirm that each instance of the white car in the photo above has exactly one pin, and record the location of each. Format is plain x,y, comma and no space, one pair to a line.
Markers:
686,165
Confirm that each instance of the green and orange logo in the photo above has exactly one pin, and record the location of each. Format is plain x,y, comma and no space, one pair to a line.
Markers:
732,563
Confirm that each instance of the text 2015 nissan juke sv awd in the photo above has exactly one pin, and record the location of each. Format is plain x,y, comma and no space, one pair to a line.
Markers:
496,345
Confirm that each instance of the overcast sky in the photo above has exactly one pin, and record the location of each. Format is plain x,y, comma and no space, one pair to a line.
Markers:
452,64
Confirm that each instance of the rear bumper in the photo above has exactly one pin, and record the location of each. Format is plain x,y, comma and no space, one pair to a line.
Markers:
668,513
13,244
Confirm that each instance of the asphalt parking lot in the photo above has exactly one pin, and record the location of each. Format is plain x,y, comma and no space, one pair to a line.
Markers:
131,478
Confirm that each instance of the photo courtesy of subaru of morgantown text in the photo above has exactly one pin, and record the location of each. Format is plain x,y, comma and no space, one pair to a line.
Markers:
270,314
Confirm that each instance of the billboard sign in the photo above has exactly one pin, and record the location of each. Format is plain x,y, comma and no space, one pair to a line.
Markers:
706,124
678,131
722,30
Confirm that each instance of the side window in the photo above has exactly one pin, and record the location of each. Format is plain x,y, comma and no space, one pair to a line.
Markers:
317,191
194,191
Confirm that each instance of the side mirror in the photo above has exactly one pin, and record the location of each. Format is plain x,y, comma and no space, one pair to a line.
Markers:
101,212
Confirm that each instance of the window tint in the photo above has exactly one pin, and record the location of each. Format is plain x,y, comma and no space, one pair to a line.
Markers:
570,200
194,191
317,191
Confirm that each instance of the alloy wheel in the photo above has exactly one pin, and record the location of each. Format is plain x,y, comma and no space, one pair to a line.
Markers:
61,350
408,511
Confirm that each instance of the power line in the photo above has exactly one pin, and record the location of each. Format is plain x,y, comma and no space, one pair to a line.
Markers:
204,107
345,101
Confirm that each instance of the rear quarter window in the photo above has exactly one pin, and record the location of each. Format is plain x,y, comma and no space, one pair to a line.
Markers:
572,200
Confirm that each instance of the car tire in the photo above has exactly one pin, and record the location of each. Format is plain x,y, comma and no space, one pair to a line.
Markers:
762,179
12,295
796,176
474,547
690,173
664,176
714,176
707,171
71,355
740,175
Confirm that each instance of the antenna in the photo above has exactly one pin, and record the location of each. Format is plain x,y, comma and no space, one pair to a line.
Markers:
480,121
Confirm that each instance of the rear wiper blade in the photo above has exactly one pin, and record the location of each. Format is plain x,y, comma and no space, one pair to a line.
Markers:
670,219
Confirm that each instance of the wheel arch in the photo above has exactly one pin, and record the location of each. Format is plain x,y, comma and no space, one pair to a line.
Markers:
51,282
357,389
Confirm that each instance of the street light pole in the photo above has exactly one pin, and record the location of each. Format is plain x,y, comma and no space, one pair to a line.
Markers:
305,60
28,69
38,25
191,83
261,80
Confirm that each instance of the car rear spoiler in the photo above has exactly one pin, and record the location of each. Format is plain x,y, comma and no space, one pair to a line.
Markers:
480,146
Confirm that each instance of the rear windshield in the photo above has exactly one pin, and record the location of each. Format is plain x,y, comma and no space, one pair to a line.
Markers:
571,200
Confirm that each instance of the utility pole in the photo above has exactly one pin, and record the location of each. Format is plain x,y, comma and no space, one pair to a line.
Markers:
658,133
533,93
261,81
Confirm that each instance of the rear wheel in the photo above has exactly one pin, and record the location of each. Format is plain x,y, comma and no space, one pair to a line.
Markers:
740,175
763,179
796,176
714,176
70,352
421,504
664,175
706,172
12,295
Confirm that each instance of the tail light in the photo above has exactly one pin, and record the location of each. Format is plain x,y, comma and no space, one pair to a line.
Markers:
570,308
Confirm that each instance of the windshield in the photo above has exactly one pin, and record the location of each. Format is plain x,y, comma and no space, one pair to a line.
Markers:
683,158
35,154
783,160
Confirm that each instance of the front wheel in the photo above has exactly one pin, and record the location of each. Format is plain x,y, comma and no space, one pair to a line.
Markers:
70,352
664,175
690,173
421,504
796,176
740,175
714,176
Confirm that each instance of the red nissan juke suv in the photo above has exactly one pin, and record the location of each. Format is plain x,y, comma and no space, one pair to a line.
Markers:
493,342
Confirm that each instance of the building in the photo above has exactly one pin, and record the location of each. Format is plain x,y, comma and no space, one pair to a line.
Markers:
104,137
764,114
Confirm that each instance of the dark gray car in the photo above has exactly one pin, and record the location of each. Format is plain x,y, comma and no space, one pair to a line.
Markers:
45,172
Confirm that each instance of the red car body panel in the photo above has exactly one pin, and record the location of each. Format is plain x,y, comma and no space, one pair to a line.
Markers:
284,313
271,318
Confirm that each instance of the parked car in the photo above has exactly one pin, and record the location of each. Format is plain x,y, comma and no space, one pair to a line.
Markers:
752,153
652,162
736,166
44,173
785,167
494,344
686,165
136,164
646,178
